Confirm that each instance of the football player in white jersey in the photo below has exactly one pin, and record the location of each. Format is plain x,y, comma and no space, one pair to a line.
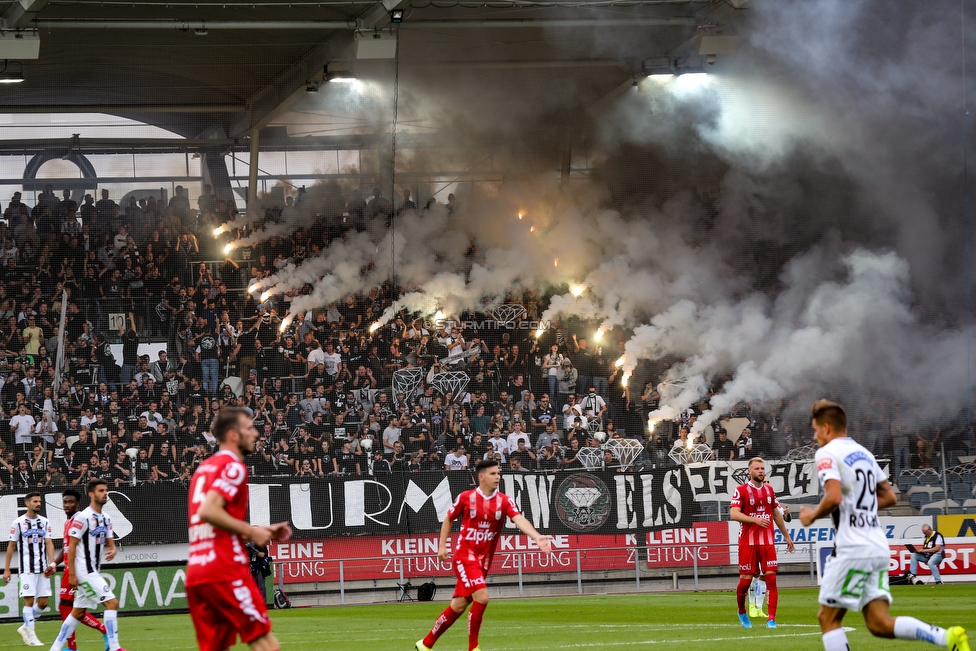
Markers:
856,574
30,535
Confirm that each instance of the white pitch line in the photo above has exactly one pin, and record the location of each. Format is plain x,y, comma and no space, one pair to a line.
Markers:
679,641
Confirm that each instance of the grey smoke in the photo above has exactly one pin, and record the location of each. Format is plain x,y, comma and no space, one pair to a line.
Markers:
795,224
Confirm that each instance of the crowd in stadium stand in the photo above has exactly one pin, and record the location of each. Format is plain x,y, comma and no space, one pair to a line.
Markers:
323,391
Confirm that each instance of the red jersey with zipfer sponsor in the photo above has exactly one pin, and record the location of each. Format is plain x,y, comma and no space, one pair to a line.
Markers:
757,503
482,519
217,556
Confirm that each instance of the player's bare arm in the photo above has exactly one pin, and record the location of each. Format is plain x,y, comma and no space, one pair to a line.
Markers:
526,527
736,514
53,565
886,495
70,563
445,532
11,547
213,511
781,525
831,500
110,549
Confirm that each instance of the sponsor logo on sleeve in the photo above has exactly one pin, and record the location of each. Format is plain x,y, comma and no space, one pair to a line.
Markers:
825,464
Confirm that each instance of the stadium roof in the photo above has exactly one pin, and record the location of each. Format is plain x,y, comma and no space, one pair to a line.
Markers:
220,68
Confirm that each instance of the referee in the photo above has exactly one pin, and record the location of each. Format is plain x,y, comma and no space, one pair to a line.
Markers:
932,554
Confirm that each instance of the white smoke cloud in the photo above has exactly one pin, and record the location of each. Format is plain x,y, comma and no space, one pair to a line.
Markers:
783,228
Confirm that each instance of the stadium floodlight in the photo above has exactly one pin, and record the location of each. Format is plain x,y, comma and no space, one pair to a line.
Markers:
336,72
8,76
658,69
396,16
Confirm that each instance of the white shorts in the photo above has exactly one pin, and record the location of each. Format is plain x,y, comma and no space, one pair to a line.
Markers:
34,585
92,590
853,583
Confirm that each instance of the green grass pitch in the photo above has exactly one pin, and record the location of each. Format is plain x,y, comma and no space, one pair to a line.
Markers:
660,621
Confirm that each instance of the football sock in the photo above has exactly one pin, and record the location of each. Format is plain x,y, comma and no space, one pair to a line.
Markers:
772,597
29,616
112,629
67,630
759,593
474,623
741,591
91,622
909,628
37,610
448,617
835,640
65,610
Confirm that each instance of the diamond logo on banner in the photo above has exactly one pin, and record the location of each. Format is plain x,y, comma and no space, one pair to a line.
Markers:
454,382
508,313
590,458
625,450
583,501
406,381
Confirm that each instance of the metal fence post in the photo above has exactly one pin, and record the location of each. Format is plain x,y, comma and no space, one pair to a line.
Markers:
399,562
813,566
519,556
281,577
342,582
637,566
579,574
694,560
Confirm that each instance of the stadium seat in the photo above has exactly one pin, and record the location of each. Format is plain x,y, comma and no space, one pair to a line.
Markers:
907,481
708,508
969,504
956,510
918,500
960,492
929,480
935,508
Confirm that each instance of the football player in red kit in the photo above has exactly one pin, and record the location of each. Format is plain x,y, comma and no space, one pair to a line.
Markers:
483,511
755,507
69,500
223,598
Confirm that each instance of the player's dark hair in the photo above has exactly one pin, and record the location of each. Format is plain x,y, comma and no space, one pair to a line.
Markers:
72,493
825,412
485,464
226,420
95,483
30,495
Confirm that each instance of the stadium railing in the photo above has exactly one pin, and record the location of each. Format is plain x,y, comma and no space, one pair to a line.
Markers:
517,572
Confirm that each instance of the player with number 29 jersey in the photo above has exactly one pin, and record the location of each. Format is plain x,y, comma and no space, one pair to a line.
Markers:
859,532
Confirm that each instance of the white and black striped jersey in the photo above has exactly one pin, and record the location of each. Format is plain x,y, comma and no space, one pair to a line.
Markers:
31,535
92,530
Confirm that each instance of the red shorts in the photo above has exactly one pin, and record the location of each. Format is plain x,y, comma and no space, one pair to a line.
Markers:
757,559
222,611
67,595
470,578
